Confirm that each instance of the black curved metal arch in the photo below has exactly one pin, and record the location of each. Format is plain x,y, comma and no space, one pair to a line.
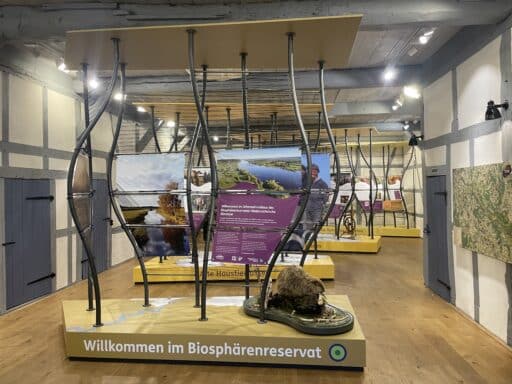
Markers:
372,177
228,128
153,129
307,191
88,149
353,195
213,168
319,127
193,233
174,143
386,191
71,172
243,65
406,213
113,203
335,192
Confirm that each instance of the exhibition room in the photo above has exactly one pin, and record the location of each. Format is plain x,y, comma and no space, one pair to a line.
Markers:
256,191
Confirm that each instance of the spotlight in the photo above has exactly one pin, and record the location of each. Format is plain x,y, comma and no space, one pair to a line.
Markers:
423,39
414,140
61,66
389,74
492,110
406,125
141,109
215,138
171,124
412,91
119,96
394,107
93,83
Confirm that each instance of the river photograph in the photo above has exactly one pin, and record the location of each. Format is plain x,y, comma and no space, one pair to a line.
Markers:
276,169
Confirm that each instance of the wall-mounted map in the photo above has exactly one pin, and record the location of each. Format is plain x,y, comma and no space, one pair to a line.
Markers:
482,210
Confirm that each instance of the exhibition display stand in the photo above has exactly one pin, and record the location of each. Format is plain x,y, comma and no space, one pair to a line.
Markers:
331,239
173,328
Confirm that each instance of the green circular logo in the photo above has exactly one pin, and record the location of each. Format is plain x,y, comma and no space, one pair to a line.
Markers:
337,352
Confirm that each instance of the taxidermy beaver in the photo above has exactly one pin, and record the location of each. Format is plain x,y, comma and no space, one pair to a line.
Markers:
298,292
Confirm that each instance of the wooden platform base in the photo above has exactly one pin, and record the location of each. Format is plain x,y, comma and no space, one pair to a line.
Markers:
388,231
169,330
383,231
361,244
180,269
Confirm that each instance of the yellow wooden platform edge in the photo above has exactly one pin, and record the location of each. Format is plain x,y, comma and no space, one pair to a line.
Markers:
383,231
180,269
169,330
362,244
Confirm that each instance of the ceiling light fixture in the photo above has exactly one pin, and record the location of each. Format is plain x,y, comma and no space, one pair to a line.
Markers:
141,109
171,124
61,66
406,125
389,74
429,33
412,91
411,52
492,111
94,83
215,138
423,39
394,107
119,96
399,102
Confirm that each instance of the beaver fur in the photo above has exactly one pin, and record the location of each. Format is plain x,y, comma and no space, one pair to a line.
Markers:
297,291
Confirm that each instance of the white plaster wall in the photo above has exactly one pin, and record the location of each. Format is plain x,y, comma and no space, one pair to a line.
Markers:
99,165
464,290
58,164
506,140
122,249
493,295
101,135
419,203
74,260
460,155
488,149
61,121
25,112
409,179
419,224
25,161
435,156
61,272
438,111
61,204
478,81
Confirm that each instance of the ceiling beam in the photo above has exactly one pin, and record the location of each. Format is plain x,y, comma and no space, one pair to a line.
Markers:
53,20
148,86
410,107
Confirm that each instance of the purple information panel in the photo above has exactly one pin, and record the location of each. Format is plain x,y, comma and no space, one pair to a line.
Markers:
243,247
377,205
255,211
250,225
198,220
246,212
336,211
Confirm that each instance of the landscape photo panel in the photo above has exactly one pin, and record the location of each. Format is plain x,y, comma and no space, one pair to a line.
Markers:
482,210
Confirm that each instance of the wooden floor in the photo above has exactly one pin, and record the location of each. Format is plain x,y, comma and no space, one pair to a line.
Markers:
413,336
